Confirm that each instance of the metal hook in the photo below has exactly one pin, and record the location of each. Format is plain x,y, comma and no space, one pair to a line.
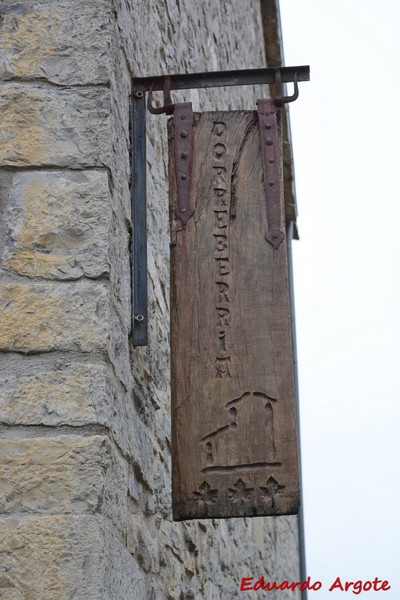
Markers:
168,107
280,99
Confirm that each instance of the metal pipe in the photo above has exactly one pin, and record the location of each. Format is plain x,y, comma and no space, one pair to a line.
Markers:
187,81
138,215
289,238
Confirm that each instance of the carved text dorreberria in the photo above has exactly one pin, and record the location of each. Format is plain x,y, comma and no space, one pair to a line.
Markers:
221,251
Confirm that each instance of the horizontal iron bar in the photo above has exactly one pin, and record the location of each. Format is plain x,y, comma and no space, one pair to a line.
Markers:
220,78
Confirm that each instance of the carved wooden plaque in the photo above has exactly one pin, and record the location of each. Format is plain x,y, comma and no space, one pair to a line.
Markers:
234,447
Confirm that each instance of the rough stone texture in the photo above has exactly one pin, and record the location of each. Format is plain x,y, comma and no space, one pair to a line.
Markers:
84,416
63,127
75,395
66,474
45,317
41,317
54,42
78,395
59,224
64,557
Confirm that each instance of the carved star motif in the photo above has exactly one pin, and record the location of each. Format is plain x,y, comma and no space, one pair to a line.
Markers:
239,493
205,495
272,489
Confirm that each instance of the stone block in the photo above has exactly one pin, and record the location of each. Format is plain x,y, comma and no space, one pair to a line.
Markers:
63,474
64,557
64,42
58,224
141,544
77,316
65,316
57,127
76,395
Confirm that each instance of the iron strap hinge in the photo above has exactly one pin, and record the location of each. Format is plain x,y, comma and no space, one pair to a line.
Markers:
185,201
270,151
183,127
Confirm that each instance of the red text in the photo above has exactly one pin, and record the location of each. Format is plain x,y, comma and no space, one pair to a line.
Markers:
359,586
260,584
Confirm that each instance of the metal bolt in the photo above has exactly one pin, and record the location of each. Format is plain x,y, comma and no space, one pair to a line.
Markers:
184,134
139,94
138,318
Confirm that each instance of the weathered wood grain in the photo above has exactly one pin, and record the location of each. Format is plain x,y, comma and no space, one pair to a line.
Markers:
233,422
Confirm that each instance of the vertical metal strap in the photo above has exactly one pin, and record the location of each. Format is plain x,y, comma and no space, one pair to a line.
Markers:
183,127
139,221
271,155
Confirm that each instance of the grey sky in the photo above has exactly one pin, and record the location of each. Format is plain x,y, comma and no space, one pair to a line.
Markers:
346,130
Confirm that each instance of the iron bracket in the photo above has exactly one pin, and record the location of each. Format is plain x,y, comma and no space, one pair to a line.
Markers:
270,151
166,83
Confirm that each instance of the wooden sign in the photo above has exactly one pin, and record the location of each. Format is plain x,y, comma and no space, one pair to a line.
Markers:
233,422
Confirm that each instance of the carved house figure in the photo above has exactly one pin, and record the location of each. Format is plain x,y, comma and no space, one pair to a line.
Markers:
225,447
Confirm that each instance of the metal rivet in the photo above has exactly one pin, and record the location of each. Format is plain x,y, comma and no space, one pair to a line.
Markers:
138,318
184,134
184,155
139,94
274,236
271,183
183,176
183,117
269,142
271,160
183,209
268,126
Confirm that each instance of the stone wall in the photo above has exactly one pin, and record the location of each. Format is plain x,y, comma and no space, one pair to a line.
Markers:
85,507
